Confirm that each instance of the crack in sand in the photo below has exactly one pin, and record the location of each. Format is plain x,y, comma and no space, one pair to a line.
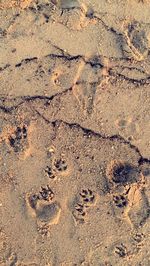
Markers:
111,29
90,61
140,82
89,132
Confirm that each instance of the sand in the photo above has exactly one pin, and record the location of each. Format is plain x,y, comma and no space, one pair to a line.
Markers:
74,133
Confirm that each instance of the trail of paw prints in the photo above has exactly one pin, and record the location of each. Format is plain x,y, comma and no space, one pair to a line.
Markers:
44,208
127,189
131,247
85,199
18,140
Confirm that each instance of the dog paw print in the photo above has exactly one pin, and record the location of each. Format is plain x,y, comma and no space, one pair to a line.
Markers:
87,197
50,172
43,207
46,193
60,165
79,212
120,201
138,237
121,250
19,139
57,167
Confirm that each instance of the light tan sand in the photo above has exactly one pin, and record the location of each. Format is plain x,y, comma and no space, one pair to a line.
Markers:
74,133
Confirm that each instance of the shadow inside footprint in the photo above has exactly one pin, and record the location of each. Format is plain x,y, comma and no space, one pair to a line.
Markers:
43,207
122,173
48,213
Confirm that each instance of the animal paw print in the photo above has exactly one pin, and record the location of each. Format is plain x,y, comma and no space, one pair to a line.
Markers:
46,193
87,197
138,237
18,139
46,211
60,165
120,201
50,172
79,212
121,250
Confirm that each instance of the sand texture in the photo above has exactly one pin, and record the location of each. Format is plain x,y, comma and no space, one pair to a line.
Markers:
74,133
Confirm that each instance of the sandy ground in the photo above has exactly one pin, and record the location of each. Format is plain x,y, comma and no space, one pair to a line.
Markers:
74,133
